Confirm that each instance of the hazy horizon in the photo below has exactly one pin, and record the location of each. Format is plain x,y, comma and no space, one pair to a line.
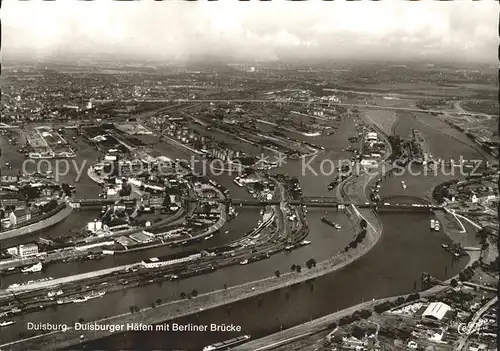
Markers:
175,30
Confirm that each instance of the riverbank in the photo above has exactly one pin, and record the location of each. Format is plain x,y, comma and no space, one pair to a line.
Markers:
42,224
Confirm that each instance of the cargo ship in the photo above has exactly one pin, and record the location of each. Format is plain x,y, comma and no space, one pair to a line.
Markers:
79,299
29,282
182,257
33,269
327,221
455,249
237,182
54,293
92,295
226,345
330,223
64,301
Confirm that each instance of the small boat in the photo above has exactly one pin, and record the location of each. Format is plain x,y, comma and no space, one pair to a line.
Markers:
403,184
338,226
209,237
289,247
433,223
6,323
226,232
305,242
436,226
445,246
245,261
456,254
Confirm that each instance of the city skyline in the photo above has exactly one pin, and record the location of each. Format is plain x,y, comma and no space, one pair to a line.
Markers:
462,32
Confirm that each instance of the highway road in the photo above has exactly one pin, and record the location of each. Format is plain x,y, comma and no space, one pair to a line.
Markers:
472,324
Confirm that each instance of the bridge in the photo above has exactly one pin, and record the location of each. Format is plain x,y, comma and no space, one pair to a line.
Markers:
333,203
320,202
79,203
456,163
6,126
289,102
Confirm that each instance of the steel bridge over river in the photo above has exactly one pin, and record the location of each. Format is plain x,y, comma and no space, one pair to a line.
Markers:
324,202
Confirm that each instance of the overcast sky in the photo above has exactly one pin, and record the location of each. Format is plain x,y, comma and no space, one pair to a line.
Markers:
464,30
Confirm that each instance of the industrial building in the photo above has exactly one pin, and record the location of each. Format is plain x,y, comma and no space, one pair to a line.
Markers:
436,310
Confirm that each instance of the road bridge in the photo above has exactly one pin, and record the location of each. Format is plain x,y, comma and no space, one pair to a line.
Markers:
79,203
322,103
406,198
322,202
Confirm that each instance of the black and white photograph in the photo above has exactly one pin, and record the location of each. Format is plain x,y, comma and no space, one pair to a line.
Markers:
249,175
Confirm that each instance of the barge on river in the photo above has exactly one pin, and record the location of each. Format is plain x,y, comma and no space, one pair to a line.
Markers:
228,344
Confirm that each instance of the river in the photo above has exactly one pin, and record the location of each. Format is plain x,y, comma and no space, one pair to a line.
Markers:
391,262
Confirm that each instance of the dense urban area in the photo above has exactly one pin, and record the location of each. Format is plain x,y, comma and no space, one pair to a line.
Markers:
259,206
